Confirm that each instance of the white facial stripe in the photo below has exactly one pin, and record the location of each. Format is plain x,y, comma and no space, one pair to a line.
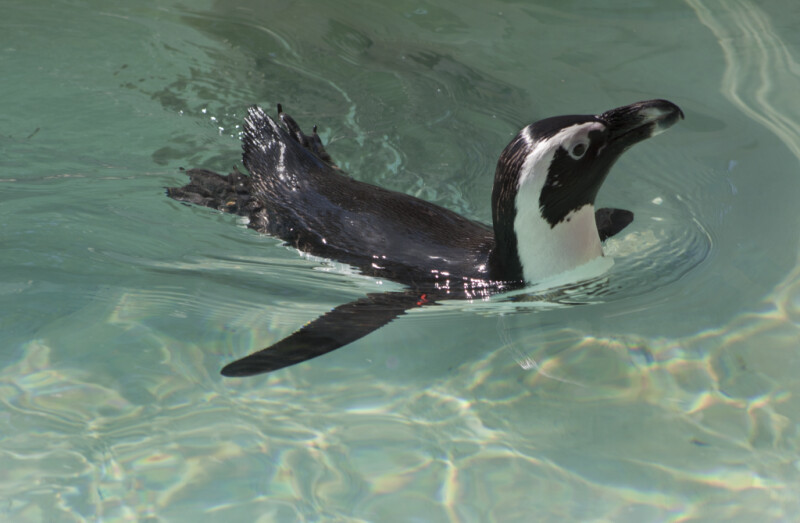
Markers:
538,160
526,134
545,251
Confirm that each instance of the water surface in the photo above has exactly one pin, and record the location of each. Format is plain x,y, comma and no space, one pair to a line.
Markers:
671,396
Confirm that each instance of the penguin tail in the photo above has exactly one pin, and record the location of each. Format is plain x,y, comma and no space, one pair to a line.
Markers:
230,193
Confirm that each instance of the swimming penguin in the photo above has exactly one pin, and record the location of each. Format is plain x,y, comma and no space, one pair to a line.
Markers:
544,220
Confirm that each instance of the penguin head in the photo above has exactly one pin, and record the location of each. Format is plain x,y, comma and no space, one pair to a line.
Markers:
547,180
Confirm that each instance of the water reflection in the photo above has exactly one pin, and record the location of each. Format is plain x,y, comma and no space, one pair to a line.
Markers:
668,398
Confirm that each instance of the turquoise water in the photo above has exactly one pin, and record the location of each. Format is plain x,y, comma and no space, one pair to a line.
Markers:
674,395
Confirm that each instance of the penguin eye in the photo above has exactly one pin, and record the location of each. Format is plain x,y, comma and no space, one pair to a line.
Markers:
578,150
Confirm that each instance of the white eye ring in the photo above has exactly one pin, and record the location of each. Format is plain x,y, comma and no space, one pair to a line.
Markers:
578,150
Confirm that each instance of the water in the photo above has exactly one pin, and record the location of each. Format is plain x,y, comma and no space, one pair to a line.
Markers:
671,396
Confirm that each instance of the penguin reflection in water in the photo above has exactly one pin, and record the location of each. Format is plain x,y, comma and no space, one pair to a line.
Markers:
544,220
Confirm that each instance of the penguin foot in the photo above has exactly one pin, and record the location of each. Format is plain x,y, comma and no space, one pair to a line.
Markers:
313,143
232,192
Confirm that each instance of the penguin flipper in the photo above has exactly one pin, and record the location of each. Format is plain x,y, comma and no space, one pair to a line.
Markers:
611,221
339,327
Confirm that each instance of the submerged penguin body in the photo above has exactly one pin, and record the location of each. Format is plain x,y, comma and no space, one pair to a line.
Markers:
315,207
544,221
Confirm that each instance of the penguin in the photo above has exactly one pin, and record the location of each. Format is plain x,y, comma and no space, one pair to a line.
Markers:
543,218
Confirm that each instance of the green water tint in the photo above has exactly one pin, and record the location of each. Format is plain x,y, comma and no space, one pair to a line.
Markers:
670,397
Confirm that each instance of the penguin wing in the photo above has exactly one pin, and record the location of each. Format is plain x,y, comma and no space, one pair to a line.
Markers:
344,324
611,221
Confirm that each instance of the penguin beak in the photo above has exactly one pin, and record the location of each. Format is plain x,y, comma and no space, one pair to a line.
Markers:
633,123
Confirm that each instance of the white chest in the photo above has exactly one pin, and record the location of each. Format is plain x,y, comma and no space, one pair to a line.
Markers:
546,251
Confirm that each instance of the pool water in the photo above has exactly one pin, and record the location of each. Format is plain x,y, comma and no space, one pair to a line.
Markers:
668,391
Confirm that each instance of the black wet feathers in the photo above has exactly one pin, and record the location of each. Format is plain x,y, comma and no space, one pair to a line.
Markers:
296,192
